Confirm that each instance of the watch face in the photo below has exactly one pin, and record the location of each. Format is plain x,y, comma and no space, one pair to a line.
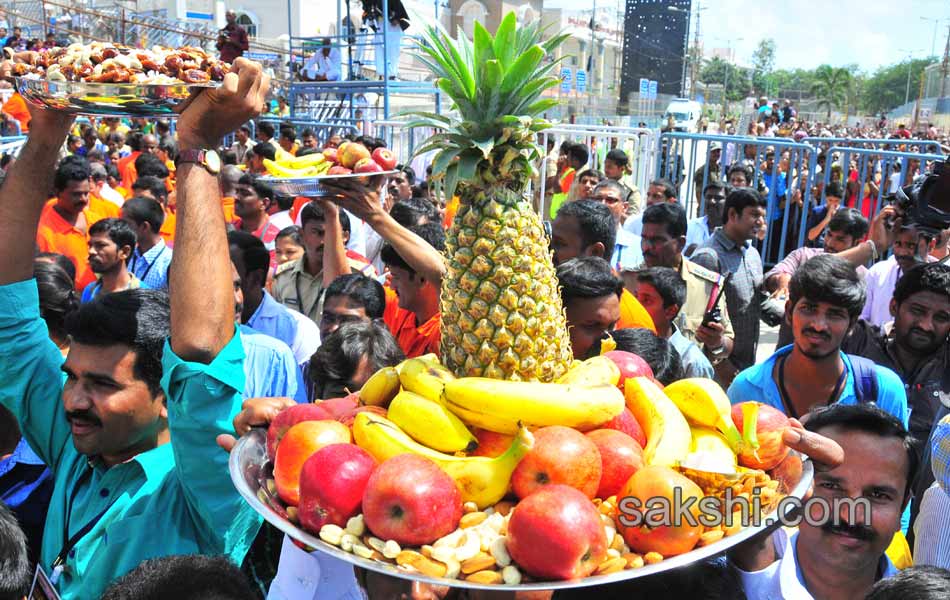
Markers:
213,161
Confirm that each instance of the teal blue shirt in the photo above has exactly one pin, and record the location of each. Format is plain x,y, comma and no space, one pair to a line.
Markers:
175,499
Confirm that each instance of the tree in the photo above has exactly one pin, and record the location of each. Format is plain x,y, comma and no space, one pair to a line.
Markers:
735,80
888,86
831,86
763,61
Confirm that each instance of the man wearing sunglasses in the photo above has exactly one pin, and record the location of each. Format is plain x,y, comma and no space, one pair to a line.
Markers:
627,255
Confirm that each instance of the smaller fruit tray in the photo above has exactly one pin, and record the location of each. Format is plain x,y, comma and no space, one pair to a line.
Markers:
314,187
108,99
251,472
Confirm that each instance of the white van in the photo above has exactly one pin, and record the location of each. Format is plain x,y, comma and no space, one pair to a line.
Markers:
685,113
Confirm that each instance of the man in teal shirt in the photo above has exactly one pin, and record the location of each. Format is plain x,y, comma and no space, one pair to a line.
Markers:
130,437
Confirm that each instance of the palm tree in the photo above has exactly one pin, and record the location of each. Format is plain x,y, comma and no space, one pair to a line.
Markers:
831,86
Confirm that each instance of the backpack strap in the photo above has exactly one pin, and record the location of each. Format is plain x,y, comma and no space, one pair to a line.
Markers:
865,379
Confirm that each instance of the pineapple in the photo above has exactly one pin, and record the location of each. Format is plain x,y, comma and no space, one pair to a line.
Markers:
502,315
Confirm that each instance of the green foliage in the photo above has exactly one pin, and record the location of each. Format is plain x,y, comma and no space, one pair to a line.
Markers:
888,86
832,86
727,74
495,83
763,62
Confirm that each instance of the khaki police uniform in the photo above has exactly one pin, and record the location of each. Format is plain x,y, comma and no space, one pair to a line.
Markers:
699,286
298,290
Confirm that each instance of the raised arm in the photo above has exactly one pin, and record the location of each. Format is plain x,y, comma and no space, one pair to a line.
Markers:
335,263
24,192
202,302
365,204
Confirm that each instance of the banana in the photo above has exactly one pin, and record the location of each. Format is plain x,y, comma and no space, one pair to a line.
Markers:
704,404
279,170
429,358
500,406
302,162
598,370
668,435
381,387
710,451
282,156
480,479
430,424
426,378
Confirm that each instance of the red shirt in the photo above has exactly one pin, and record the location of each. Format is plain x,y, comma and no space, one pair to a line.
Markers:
266,233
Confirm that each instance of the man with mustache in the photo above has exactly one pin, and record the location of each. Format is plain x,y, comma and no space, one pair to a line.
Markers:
843,559
127,423
825,299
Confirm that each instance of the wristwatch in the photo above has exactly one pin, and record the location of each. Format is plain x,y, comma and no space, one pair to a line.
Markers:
208,159
717,354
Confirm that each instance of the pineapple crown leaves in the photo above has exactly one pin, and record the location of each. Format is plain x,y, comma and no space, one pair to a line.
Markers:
495,84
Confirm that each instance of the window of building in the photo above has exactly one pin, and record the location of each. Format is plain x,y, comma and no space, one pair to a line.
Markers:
245,21
471,11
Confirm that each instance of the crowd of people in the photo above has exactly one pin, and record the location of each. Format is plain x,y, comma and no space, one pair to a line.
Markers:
157,300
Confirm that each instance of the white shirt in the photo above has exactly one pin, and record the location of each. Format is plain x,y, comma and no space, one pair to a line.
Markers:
931,538
108,193
697,231
282,219
881,279
303,576
294,329
781,579
327,66
634,225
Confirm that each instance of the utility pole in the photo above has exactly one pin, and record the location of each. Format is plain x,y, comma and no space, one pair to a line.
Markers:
695,57
590,63
944,67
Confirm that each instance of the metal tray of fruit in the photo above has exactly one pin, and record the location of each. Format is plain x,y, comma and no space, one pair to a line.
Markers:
108,99
313,187
250,470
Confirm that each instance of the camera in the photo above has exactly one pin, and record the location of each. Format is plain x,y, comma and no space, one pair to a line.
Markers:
926,203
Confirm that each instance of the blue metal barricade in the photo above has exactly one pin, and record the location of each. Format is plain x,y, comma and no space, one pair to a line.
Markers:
779,168
867,177
11,144
639,144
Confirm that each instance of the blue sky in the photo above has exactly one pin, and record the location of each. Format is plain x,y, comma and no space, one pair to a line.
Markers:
808,33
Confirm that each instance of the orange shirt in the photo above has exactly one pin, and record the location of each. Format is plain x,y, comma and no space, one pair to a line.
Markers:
126,167
102,207
415,340
227,204
168,229
632,313
16,108
54,234
299,203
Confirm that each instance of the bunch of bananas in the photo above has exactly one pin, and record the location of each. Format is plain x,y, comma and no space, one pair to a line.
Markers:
289,166
431,411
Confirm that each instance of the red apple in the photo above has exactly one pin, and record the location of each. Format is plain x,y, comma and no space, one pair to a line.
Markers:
556,533
788,472
340,407
297,445
766,434
490,443
352,153
367,165
289,417
385,158
332,482
621,456
628,424
331,155
630,365
560,455
409,499
349,417
338,170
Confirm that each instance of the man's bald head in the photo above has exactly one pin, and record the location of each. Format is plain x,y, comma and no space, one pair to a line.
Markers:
228,179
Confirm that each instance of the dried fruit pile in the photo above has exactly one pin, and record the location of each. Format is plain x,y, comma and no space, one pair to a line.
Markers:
100,62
